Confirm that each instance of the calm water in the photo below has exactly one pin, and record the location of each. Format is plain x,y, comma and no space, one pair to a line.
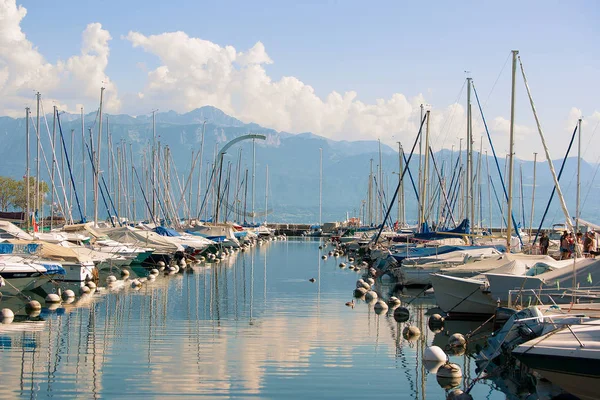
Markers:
253,326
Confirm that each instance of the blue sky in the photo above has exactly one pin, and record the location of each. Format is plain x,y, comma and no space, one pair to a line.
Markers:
375,49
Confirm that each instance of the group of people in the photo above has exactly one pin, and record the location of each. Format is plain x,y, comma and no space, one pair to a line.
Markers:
571,245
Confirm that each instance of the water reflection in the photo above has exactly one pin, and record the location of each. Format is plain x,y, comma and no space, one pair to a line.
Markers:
204,333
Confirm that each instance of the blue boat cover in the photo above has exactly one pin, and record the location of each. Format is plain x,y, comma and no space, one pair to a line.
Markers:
9,248
240,234
162,231
53,268
426,234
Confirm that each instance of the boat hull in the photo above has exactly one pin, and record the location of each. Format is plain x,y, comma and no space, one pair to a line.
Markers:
461,296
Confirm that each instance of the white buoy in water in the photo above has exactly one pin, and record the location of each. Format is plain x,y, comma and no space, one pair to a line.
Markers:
434,353
68,294
411,333
351,259
363,284
33,307
457,340
154,271
342,265
370,281
373,271
394,301
336,254
352,267
324,257
111,279
52,298
161,264
151,278
449,375
371,295
360,292
84,290
7,315
182,263
380,307
91,285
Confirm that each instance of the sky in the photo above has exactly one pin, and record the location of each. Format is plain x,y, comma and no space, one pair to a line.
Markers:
346,70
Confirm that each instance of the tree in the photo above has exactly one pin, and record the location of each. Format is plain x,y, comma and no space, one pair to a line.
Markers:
8,192
20,201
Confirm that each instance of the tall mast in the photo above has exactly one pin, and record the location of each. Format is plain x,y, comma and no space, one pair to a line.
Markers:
425,172
419,186
37,161
320,183
253,174
400,182
132,183
380,187
533,193
370,194
83,165
200,170
97,160
578,210
511,151
27,184
53,166
267,195
154,158
470,213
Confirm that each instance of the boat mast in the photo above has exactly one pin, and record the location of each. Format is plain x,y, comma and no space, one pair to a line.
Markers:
425,172
37,161
401,183
380,187
97,161
200,171
320,183
267,195
53,166
27,185
511,150
83,165
578,210
420,187
469,209
253,175
533,194
370,194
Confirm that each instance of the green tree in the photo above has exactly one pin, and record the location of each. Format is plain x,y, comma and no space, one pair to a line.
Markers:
8,192
20,201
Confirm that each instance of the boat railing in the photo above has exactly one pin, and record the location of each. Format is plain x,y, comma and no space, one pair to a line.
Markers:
551,294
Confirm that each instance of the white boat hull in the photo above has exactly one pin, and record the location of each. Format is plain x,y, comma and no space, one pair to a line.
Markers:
461,296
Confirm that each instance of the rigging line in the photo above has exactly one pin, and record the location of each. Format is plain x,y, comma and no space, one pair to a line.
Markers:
47,168
592,181
496,160
70,171
401,177
560,171
451,116
497,79
62,184
589,145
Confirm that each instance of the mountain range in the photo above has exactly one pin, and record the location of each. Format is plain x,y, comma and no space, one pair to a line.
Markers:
293,164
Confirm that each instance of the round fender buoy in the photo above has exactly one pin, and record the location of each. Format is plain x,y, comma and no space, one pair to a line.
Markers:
401,314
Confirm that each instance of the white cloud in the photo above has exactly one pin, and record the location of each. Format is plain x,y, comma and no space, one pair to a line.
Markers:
23,69
196,72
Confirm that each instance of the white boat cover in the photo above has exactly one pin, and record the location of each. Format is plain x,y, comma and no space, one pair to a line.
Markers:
140,238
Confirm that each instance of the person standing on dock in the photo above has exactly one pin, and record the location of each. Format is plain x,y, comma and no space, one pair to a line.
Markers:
544,243
564,246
